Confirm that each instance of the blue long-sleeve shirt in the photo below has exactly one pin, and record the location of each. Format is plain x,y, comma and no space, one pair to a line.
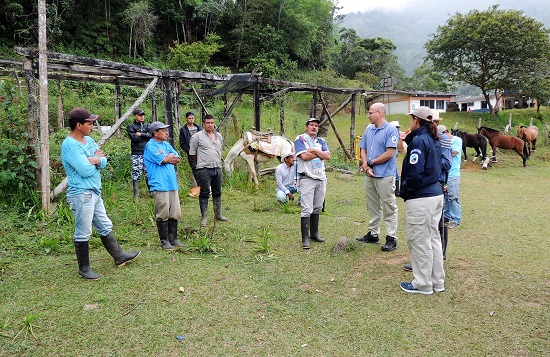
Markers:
82,175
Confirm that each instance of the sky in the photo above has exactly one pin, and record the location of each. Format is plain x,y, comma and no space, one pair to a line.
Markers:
372,5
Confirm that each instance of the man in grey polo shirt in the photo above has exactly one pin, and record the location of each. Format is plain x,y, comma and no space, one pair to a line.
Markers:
206,146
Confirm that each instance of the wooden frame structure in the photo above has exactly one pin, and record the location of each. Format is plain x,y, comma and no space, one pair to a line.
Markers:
70,67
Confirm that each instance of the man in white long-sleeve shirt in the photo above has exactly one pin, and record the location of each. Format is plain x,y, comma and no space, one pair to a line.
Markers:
285,175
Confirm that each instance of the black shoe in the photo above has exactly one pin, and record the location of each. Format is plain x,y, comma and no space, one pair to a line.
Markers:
369,238
408,267
391,244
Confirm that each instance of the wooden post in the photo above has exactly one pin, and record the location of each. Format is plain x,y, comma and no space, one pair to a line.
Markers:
117,103
177,104
352,126
168,108
60,115
282,116
313,112
154,114
44,114
257,107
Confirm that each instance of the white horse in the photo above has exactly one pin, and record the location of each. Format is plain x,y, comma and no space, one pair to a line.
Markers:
257,151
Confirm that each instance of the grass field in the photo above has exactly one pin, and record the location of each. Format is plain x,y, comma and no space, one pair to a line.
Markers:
246,288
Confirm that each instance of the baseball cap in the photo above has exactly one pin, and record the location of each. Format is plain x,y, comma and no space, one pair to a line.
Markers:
138,111
81,115
313,119
441,128
424,113
156,125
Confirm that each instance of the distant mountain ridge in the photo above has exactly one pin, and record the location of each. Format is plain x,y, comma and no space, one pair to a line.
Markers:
409,30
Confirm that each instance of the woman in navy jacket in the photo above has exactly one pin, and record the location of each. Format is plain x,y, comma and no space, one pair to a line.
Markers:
423,195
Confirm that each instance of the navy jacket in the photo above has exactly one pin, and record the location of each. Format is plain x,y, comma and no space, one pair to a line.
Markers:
422,165
185,137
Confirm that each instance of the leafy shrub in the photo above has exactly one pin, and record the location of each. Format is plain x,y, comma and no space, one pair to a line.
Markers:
17,158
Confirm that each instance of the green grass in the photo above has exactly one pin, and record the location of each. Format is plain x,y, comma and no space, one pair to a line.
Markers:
249,289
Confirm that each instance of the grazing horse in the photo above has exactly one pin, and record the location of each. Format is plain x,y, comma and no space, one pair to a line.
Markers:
498,140
529,135
254,150
476,141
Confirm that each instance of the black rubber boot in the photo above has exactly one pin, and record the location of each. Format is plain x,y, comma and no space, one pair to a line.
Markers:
218,209
203,203
136,189
391,244
162,227
173,233
121,258
83,258
305,233
314,228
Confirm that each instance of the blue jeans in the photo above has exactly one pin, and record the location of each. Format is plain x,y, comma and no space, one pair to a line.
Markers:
88,210
282,197
452,210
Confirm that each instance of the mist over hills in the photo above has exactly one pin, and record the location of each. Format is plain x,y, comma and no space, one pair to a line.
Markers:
410,28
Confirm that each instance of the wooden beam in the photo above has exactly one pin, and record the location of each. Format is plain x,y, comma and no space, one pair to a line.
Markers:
334,128
235,101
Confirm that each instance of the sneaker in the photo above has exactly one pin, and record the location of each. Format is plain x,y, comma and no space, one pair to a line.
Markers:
408,267
391,244
452,225
369,238
439,290
409,288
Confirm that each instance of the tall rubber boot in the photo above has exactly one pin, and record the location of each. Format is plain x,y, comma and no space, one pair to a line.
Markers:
121,257
162,227
136,189
445,239
314,228
305,233
173,233
83,258
218,209
203,203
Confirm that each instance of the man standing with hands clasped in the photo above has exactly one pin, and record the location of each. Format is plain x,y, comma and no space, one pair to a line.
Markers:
139,134
83,161
311,152
161,160
378,152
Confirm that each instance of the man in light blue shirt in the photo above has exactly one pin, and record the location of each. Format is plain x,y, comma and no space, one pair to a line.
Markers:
378,152
83,161
160,160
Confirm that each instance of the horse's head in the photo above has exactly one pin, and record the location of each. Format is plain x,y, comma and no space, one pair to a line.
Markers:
455,132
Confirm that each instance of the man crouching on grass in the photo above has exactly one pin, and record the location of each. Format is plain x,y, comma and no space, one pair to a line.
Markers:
83,161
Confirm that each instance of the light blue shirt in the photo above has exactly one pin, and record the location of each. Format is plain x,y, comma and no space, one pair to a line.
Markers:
82,175
375,141
162,177
455,163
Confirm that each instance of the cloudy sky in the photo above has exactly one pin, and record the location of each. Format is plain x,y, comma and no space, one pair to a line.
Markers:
371,5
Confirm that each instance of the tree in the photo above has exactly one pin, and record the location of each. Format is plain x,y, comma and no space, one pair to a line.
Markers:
194,57
490,49
425,78
366,55
142,22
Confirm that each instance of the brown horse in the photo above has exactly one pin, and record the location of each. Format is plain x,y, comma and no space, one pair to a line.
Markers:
529,135
498,140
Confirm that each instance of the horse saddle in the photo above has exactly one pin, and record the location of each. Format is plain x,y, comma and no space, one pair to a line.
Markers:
256,141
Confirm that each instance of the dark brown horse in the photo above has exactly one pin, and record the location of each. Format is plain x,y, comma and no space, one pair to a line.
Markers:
476,141
529,135
498,140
